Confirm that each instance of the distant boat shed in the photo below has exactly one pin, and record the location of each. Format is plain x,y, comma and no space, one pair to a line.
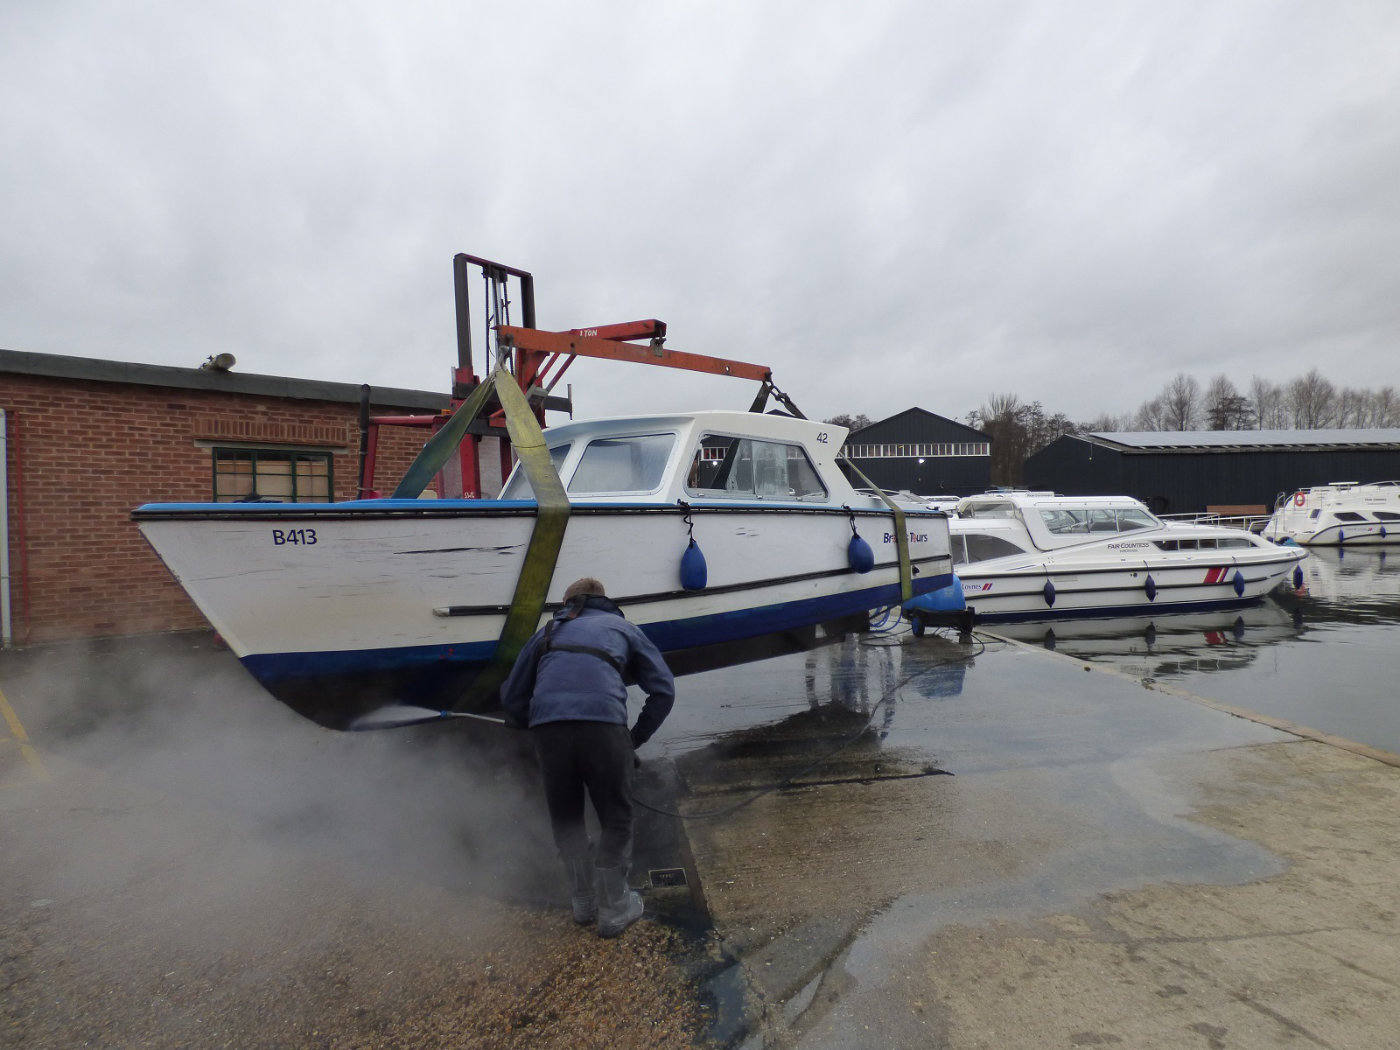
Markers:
923,453
1231,471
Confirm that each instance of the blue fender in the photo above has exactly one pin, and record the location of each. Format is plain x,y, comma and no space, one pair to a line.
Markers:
859,554
694,572
945,599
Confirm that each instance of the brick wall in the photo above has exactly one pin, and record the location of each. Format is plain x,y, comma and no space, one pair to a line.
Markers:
82,454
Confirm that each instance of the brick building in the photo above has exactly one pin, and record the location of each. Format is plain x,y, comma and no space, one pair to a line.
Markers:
88,440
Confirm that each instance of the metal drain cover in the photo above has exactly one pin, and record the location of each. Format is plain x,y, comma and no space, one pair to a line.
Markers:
667,877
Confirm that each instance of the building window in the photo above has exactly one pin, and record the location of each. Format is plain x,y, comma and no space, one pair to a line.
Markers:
251,474
922,449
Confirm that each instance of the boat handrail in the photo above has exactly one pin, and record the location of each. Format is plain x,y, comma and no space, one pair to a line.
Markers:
1247,522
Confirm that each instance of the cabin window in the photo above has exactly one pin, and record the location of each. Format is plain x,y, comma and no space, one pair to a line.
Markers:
1131,520
1065,521
1387,515
747,468
1348,515
249,475
1233,541
519,485
1061,522
988,510
981,546
636,463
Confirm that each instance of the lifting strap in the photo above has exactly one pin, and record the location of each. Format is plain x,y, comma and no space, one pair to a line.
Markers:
546,538
901,534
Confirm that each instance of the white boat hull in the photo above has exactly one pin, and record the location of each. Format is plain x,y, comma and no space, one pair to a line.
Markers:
1196,580
405,599
1342,514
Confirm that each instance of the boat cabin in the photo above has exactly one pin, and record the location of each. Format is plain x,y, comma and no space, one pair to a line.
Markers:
997,525
700,458
1049,521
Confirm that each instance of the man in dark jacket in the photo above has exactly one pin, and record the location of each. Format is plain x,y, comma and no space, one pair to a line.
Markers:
569,686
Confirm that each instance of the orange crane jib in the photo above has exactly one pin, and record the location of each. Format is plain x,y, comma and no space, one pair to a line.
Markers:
605,345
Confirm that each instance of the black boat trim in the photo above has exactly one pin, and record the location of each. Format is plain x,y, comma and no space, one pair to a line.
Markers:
662,596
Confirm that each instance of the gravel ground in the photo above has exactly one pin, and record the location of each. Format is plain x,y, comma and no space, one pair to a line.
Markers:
528,978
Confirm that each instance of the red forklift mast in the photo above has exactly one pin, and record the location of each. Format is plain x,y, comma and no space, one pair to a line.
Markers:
538,360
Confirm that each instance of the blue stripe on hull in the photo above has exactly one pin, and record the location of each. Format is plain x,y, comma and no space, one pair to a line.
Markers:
273,669
1143,609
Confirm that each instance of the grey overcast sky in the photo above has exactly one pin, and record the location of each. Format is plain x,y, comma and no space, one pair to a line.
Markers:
892,204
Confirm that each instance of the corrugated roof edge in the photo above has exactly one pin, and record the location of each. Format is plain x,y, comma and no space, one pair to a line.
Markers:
1229,440
60,366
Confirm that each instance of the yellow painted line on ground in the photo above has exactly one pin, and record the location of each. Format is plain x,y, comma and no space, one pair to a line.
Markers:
17,731
1388,758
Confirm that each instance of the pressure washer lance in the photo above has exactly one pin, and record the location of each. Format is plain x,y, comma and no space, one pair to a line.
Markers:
396,716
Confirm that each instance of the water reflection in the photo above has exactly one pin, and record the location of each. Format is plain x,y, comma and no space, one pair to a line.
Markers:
1321,656
1161,646
1361,585
851,687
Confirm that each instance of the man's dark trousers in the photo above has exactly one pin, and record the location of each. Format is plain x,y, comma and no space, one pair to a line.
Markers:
596,756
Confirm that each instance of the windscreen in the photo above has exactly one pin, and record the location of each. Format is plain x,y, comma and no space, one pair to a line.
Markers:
518,487
622,464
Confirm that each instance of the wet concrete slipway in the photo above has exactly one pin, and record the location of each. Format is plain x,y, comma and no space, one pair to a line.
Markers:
887,841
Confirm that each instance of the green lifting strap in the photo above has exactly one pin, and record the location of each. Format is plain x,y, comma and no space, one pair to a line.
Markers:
547,537
901,535
441,445
537,572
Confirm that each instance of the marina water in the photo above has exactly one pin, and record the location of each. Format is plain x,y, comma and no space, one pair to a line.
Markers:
1327,657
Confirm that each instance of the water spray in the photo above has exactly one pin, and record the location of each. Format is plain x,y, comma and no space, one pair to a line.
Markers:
397,716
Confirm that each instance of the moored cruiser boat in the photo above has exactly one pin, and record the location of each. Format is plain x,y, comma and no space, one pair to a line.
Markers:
1343,513
1035,555
338,607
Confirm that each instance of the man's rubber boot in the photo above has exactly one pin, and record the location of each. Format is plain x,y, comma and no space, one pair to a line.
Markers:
582,894
618,905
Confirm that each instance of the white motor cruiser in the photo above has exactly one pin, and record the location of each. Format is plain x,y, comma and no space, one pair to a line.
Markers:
1343,513
406,598
708,529
1035,555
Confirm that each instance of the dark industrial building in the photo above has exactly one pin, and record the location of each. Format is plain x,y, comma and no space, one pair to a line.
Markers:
1228,471
923,453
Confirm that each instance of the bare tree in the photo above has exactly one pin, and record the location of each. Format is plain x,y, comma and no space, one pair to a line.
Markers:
1225,407
1150,415
1383,408
1312,401
1181,402
1105,424
1268,398
999,419
1017,429
850,422
1353,407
